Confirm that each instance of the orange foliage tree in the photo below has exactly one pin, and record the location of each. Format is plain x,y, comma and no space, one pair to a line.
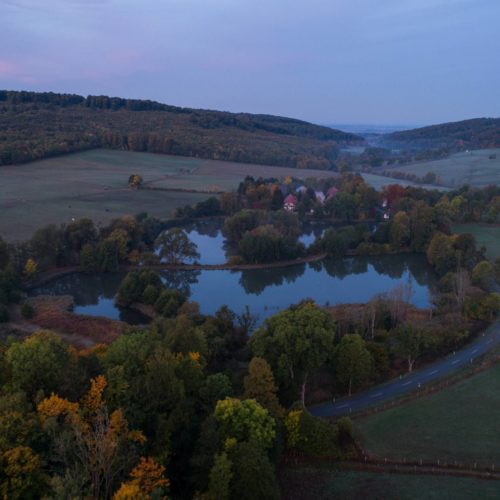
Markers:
89,439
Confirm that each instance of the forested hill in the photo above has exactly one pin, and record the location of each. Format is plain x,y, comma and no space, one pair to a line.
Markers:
38,125
478,133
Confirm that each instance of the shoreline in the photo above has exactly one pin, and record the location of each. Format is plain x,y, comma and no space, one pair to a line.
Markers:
53,274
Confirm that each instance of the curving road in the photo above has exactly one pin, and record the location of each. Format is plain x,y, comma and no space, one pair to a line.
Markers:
412,381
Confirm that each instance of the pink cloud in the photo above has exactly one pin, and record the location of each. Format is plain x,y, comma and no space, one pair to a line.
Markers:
14,71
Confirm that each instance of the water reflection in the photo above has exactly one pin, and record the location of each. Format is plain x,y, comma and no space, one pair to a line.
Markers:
93,295
265,291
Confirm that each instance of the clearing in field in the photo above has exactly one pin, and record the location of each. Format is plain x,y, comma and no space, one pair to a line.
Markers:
459,424
488,236
324,482
477,168
95,184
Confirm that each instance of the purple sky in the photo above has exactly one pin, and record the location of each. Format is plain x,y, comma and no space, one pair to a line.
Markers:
327,61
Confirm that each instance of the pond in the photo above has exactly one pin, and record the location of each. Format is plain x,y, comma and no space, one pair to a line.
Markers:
266,291
213,249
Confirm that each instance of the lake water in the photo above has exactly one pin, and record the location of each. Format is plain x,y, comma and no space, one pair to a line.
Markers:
211,245
264,291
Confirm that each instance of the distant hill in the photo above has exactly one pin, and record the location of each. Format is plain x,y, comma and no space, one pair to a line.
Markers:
478,133
38,125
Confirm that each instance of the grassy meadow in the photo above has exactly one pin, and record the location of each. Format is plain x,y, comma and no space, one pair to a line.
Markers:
459,423
94,184
488,236
474,168
380,181
322,483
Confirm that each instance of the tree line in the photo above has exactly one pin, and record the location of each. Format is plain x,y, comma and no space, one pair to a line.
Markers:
41,125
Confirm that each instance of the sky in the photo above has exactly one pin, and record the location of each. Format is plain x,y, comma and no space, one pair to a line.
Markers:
327,61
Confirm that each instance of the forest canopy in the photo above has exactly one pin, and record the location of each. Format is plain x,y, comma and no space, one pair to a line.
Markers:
37,125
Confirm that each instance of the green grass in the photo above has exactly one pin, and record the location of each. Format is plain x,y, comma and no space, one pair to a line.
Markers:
459,424
324,483
380,181
94,184
473,168
488,236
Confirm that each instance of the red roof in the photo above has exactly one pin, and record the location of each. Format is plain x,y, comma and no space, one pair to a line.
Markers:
290,200
332,192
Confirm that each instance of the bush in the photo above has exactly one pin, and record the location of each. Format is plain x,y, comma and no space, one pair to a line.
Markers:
27,310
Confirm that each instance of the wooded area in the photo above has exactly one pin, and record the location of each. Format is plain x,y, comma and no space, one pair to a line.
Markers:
39,125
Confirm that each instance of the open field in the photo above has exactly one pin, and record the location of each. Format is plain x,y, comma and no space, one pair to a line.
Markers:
488,236
458,424
324,482
379,181
473,168
94,184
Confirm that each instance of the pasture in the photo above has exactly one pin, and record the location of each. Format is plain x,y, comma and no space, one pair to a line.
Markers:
473,167
488,236
325,482
459,423
380,181
95,184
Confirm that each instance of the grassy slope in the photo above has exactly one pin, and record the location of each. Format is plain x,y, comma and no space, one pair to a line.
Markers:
379,181
456,424
301,483
473,168
489,236
94,184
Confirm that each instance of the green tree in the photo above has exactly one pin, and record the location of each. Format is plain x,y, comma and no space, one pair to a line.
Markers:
296,343
220,478
399,232
254,475
168,302
245,420
215,387
42,362
47,245
441,253
353,362
409,342
483,274
175,246
259,385
88,258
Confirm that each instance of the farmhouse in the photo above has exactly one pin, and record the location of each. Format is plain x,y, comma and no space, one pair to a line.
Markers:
320,197
290,203
331,192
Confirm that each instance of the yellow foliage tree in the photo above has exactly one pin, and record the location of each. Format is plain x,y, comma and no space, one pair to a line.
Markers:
99,437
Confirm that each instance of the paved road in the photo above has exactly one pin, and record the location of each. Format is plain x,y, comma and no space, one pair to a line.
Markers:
412,381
